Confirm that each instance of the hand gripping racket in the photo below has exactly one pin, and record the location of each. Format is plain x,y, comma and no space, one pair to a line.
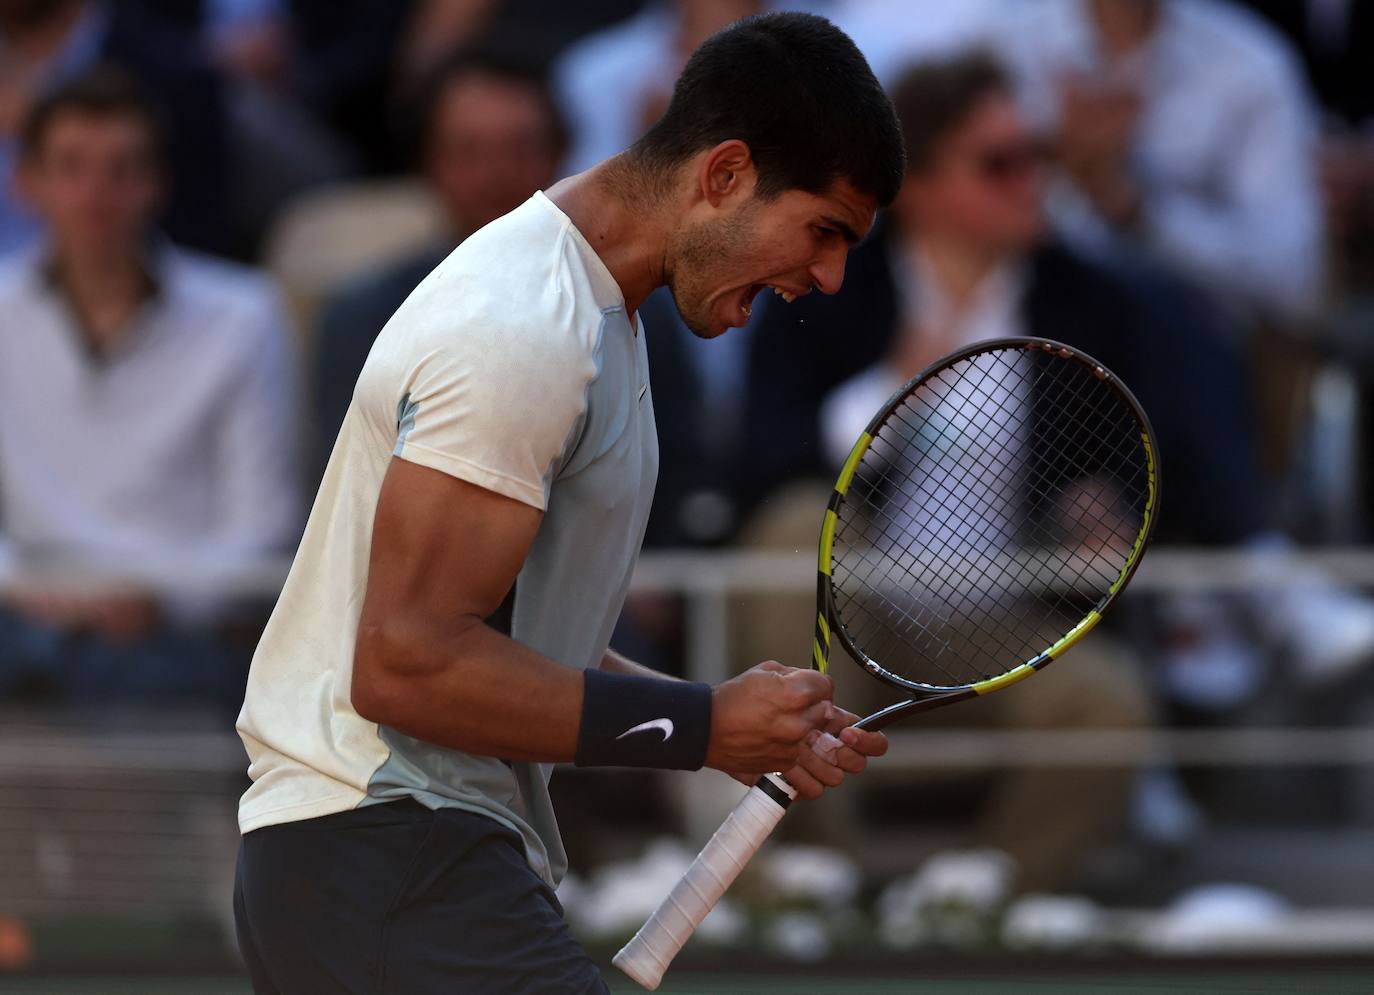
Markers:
983,523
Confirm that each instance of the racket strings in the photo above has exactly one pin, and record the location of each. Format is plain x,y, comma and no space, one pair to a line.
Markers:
995,507
973,396
963,576
886,563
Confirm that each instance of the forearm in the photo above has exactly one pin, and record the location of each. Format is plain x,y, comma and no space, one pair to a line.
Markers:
615,663
478,691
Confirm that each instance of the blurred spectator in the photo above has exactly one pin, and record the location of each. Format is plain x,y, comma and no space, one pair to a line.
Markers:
1334,40
892,39
615,83
1183,128
342,64
537,29
492,137
146,421
437,28
278,147
44,42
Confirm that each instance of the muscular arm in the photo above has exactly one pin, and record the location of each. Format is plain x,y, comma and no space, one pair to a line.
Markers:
444,555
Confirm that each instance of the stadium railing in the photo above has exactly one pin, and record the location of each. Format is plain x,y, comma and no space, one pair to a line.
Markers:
145,800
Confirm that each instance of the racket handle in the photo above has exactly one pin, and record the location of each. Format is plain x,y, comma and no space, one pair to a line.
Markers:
647,956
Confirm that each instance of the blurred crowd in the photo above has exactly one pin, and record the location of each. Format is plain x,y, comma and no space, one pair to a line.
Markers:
210,208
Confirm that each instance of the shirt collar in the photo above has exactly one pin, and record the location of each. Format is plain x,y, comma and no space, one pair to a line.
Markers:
1150,61
157,262
924,299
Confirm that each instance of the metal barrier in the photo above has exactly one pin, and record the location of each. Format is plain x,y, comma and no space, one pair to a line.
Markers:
101,792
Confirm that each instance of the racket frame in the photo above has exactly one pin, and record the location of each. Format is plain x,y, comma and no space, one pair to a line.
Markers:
646,957
923,697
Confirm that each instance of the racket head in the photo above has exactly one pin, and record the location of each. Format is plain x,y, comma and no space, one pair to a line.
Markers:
986,519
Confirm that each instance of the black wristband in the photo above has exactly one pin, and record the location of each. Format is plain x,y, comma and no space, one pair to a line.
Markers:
643,722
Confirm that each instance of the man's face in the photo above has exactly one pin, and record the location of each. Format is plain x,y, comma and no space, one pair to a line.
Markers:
984,184
491,147
791,243
94,179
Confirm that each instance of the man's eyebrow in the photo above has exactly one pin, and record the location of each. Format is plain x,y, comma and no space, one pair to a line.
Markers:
850,235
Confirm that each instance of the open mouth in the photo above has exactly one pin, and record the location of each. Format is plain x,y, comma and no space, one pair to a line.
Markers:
753,290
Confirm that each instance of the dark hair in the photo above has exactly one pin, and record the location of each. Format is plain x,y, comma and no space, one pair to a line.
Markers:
932,98
797,91
105,91
501,61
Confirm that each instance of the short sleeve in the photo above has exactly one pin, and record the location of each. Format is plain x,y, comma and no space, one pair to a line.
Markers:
498,411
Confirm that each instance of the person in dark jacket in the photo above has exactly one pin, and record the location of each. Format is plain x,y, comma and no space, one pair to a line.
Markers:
965,255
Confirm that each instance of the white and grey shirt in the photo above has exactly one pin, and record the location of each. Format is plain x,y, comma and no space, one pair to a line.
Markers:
513,366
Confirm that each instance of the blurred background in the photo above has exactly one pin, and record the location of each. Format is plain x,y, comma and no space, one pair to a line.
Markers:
208,210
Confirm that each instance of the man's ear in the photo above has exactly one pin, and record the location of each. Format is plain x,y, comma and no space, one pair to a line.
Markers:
727,173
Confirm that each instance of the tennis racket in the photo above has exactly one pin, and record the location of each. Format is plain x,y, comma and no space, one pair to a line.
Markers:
986,519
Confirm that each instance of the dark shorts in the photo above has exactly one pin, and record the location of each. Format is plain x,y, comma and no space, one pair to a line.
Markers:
395,899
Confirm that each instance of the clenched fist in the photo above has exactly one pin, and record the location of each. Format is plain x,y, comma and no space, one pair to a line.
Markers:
763,719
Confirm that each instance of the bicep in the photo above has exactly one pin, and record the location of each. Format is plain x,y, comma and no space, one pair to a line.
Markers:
444,553
442,547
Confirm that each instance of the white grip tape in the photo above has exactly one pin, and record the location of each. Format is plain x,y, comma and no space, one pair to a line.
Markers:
646,957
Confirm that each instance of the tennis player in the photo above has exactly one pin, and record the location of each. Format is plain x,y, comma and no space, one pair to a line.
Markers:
442,639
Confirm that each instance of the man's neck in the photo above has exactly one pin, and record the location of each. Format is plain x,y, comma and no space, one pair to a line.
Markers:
106,287
958,265
1124,28
621,222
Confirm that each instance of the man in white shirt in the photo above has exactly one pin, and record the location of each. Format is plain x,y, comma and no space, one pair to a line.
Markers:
442,640
1184,129
146,421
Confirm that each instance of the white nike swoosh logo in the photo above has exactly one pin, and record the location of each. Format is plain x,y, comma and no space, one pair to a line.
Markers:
664,726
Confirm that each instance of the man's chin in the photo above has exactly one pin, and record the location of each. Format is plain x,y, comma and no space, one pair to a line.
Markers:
704,328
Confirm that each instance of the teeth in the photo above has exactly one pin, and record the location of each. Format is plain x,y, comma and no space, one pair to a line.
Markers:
746,309
786,295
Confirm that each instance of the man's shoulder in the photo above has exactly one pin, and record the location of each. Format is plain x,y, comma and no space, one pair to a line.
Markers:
17,270
1236,43
1064,270
214,300
526,274
212,280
